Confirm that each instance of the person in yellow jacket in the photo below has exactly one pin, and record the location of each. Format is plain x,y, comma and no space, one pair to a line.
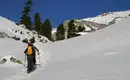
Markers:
30,52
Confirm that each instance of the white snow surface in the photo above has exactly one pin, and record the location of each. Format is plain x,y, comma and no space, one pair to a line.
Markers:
11,48
53,30
107,17
101,55
82,33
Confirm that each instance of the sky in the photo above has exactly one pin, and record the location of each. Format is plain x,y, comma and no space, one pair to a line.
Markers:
59,10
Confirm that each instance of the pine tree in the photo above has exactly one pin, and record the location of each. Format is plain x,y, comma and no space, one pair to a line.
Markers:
29,2
46,29
60,33
37,22
71,28
25,18
81,29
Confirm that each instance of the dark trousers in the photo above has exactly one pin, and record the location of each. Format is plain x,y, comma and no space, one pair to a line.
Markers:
34,59
30,66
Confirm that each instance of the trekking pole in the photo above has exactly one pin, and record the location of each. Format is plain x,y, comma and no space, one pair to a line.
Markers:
25,62
39,59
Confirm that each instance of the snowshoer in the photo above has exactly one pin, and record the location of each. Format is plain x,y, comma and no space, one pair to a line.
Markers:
36,50
31,54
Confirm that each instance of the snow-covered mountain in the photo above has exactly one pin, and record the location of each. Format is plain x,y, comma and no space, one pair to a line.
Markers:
18,32
108,17
101,55
93,24
100,21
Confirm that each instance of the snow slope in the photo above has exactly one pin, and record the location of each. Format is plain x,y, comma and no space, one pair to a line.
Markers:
107,17
102,55
10,47
14,30
13,48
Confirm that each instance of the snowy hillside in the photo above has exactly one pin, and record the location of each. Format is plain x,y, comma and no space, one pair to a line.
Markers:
18,32
107,17
11,56
93,24
12,48
102,55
